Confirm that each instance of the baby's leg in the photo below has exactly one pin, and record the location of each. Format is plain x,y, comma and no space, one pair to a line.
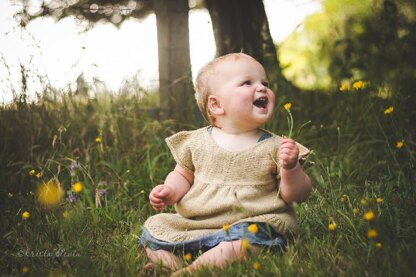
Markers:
220,255
167,259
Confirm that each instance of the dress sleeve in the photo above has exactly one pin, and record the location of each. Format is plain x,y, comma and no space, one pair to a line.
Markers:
303,153
180,145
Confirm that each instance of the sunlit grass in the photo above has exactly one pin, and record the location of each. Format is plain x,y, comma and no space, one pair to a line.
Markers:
106,154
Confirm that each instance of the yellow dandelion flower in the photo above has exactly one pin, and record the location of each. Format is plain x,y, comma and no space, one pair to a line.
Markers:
32,172
344,87
188,257
49,194
65,214
245,244
25,269
389,110
226,227
332,227
25,215
38,175
77,187
98,140
252,228
287,106
358,85
400,144
10,195
369,216
379,199
379,245
372,233
256,265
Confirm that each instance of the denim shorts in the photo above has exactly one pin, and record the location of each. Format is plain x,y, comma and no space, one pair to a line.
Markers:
265,236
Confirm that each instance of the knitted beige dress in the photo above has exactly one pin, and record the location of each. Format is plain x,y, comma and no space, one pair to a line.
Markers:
229,188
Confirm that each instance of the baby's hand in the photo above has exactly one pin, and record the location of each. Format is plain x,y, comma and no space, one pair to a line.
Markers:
288,154
159,197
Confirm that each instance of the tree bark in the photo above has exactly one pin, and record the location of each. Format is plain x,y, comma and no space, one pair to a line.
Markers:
242,26
175,76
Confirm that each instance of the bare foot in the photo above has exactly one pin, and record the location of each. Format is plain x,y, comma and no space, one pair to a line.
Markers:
167,259
149,266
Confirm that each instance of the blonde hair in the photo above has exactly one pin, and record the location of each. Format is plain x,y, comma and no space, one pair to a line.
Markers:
202,82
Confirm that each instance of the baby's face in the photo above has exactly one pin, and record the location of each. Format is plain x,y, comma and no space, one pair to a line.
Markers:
242,88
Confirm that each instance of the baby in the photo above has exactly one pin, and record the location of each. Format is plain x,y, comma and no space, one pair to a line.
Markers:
233,183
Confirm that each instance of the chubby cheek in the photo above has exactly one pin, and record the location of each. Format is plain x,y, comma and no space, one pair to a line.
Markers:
272,99
245,101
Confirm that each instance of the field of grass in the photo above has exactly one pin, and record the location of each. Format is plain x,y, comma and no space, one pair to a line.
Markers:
359,221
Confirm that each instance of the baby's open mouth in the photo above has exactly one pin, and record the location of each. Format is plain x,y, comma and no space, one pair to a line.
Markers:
261,102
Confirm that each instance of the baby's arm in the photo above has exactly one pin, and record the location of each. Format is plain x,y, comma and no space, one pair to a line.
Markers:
177,183
295,184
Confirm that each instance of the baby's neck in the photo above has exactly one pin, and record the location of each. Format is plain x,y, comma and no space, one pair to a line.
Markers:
235,140
235,131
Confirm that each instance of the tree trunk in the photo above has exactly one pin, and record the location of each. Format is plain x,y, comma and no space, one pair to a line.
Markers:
242,26
175,76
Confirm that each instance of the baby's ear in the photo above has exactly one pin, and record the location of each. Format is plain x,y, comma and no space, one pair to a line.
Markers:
214,105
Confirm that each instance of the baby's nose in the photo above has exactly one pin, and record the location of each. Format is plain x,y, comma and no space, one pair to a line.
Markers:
261,88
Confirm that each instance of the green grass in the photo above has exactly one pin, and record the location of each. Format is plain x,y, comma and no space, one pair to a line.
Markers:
355,162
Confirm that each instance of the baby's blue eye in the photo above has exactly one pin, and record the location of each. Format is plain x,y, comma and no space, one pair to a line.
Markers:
247,83
266,84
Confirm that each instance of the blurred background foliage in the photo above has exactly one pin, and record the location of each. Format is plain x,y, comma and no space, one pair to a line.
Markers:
347,40
355,40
